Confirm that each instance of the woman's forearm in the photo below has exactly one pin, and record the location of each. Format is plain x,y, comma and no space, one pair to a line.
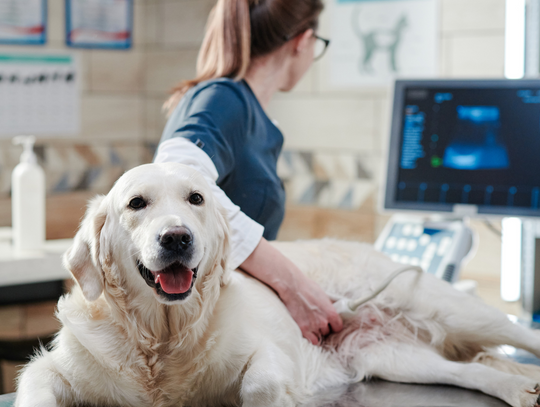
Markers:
307,303
268,265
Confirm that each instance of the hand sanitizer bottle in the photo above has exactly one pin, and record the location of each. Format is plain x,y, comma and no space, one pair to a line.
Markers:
28,200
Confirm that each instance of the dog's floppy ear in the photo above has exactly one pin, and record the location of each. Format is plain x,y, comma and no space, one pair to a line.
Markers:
82,258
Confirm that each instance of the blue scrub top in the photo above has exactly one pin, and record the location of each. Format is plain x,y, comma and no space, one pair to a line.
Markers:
224,118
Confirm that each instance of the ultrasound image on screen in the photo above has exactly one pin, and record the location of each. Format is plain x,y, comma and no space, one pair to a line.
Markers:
470,146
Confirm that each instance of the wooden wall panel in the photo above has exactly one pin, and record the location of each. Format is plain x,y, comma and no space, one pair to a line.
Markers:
64,212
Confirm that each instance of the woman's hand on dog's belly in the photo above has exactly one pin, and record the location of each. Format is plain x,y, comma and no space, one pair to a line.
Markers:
307,303
311,308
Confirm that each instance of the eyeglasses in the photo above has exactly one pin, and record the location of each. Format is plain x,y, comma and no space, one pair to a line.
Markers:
321,45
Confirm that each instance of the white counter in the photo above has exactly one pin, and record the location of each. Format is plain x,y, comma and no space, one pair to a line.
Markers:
24,268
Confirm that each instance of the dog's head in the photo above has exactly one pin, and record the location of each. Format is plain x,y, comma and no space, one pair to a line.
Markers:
157,232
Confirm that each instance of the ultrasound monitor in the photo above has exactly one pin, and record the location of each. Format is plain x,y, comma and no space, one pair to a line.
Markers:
465,144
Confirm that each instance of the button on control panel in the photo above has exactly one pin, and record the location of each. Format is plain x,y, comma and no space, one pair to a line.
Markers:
413,244
437,245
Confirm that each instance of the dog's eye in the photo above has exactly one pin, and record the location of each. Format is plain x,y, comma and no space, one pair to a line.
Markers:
137,203
196,199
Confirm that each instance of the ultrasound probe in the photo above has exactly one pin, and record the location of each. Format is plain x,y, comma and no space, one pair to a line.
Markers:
347,308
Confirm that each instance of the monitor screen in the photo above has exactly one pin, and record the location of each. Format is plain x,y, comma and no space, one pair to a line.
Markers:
474,142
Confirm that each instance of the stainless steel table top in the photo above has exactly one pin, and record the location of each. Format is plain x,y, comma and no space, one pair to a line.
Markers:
384,394
380,393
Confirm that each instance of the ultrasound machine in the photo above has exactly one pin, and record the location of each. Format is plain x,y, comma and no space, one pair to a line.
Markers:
460,149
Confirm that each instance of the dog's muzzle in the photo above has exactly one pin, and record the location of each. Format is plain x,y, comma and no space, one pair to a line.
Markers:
175,281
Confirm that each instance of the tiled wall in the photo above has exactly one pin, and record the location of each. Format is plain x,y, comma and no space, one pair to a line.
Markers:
122,91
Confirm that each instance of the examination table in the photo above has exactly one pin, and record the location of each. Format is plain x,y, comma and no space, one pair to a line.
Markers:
379,393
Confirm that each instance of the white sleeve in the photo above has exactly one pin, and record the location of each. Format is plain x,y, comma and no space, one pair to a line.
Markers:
245,232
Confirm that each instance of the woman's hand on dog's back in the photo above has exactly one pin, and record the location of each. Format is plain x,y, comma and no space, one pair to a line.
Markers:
307,303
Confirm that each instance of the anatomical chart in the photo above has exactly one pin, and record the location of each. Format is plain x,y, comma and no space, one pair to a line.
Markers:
376,41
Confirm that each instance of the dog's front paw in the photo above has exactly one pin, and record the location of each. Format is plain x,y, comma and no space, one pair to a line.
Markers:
530,397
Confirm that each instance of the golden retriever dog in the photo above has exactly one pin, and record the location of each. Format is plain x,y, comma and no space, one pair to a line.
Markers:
157,319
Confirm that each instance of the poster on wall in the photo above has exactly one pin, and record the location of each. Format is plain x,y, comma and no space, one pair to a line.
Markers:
23,22
99,23
375,41
39,94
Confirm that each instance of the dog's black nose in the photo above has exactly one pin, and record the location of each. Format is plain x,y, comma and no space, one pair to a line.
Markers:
178,238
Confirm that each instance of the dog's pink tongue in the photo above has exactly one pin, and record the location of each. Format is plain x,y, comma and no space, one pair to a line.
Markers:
174,279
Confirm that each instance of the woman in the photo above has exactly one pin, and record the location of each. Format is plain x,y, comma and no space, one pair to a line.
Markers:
218,125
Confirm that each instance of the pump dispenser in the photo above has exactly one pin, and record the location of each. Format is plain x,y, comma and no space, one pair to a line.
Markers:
28,199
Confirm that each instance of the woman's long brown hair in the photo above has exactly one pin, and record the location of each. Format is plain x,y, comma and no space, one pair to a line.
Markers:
239,30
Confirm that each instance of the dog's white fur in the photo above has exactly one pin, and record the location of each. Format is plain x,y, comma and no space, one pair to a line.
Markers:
232,341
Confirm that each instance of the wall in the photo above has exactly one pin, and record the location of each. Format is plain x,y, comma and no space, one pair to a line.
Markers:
122,93
122,89
121,97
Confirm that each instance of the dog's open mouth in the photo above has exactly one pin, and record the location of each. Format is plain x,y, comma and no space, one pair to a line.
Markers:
174,282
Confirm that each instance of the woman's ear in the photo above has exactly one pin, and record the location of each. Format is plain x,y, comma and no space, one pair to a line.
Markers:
302,41
82,258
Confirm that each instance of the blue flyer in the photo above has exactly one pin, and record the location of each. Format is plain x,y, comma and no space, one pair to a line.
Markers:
99,23
23,22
